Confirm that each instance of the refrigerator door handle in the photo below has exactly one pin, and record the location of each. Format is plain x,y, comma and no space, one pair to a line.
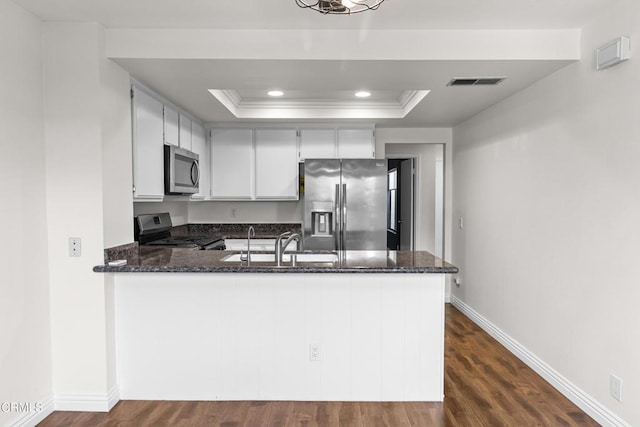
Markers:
344,216
337,231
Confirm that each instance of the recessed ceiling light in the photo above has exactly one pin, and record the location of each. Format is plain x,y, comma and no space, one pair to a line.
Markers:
363,94
275,93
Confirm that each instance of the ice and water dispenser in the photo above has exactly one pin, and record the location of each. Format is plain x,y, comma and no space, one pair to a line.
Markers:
322,219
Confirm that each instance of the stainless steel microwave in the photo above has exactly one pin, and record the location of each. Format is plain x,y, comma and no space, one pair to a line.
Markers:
181,171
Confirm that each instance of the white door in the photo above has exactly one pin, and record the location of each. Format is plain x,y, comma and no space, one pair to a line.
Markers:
439,204
185,132
171,126
406,205
199,146
276,164
148,154
317,144
355,144
232,163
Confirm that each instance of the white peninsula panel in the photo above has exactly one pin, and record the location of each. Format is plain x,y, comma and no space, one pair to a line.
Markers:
225,336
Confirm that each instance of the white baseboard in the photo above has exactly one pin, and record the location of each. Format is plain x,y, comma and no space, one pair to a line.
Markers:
113,397
31,419
592,407
87,402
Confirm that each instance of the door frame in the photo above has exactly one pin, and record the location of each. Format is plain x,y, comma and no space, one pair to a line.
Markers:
415,196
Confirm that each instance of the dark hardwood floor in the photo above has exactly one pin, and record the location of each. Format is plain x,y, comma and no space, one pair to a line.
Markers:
485,385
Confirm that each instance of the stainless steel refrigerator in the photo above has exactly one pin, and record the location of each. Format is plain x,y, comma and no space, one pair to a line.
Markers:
345,204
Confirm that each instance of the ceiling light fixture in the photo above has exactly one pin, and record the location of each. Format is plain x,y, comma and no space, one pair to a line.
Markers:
339,7
275,93
363,94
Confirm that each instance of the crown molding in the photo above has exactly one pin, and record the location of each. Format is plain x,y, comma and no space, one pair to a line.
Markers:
318,108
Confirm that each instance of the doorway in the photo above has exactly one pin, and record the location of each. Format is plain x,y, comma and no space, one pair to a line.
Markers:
401,204
419,197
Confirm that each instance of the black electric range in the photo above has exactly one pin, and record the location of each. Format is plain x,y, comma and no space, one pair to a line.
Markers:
154,230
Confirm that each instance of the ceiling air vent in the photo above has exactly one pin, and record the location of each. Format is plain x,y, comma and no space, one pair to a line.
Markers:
475,81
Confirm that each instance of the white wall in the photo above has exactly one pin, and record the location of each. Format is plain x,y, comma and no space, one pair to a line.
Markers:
117,184
179,210
246,212
548,184
218,212
116,150
25,355
85,190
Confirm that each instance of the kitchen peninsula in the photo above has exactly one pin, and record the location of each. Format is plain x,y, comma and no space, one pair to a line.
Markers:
367,326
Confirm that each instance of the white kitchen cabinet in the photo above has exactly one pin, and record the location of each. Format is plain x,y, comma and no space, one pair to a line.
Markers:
317,144
171,126
276,164
232,173
185,136
199,145
336,142
356,143
148,154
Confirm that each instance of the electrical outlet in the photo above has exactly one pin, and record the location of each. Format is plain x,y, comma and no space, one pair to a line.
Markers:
458,282
234,212
461,223
314,352
75,246
615,386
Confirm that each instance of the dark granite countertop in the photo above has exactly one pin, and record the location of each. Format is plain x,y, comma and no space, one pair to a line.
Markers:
146,259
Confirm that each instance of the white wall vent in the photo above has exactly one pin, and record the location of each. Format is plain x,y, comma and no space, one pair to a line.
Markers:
475,81
613,53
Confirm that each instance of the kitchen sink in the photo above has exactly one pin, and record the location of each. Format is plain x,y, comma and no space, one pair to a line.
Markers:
286,258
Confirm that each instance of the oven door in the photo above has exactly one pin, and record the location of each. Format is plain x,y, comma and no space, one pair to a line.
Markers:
181,171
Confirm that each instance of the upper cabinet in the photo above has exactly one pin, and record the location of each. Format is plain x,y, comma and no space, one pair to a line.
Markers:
156,122
148,152
171,126
337,142
276,164
356,144
185,136
199,145
232,164
317,144
254,164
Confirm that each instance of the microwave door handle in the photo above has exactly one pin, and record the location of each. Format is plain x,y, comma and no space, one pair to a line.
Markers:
195,168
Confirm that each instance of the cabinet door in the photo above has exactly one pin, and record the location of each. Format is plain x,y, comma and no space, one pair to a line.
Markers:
356,144
199,146
317,144
185,132
171,126
231,163
276,164
148,154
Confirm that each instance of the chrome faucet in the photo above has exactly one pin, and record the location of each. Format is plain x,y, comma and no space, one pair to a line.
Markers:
250,233
281,247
